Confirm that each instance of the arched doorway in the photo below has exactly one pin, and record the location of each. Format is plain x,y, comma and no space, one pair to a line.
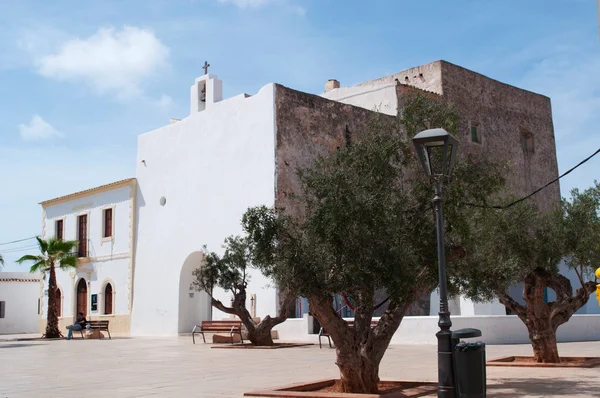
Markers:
194,307
58,302
108,299
81,297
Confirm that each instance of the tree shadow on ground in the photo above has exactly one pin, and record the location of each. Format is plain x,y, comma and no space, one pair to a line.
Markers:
542,387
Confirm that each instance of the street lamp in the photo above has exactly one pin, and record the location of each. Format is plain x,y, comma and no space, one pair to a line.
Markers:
436,149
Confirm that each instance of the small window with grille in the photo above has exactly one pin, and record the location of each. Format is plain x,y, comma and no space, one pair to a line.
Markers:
527,142
475,132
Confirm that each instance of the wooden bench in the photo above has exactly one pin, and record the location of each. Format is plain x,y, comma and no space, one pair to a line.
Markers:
97,325
232,327
323,332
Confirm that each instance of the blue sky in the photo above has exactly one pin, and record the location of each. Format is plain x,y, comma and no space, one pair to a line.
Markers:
81,80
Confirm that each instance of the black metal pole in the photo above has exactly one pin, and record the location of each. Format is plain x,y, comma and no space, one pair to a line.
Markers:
445,367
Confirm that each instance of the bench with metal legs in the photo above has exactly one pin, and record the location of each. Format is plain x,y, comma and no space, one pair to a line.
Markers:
231,327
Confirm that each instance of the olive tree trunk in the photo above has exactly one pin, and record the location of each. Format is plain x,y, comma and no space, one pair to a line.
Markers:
52,319
359,350
543,319
259,334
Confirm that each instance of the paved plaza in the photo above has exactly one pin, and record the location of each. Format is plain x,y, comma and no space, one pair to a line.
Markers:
173,367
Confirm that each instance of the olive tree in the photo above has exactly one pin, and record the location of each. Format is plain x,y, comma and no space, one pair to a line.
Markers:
520,245
230,272
368,225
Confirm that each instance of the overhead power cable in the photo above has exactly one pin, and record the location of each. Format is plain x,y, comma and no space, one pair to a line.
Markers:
18,249
17,241
537,190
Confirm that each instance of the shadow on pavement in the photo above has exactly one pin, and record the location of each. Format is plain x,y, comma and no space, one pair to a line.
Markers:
18,345
542,387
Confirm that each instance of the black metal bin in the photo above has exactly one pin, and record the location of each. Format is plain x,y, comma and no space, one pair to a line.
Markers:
469,364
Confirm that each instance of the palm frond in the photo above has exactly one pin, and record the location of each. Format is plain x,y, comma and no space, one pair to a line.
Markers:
68,262
37,267
65,246
30,257
42,244
1,260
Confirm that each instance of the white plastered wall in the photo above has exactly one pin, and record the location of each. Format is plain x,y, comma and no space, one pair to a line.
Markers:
375,97
109,258
209,168
21,303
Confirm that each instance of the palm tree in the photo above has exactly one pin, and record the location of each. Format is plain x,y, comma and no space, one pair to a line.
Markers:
53,253
1,261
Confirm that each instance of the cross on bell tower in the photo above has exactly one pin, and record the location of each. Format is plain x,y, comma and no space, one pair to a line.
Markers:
206,91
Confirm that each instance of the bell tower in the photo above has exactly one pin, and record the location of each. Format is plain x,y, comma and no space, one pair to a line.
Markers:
206,91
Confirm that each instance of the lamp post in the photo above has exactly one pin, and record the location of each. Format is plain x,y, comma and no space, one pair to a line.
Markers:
436,149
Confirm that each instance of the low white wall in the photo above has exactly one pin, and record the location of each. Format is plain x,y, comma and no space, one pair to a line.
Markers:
295,329
21,302
500,329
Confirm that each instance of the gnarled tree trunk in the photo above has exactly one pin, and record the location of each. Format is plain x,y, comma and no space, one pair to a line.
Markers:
359,349
359,369
52,319
545,348
259,334
543,319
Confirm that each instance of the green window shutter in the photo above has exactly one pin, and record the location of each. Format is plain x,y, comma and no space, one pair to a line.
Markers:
474,136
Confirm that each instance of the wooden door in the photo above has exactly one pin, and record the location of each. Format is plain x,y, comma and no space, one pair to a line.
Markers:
82,236
108,296
81,297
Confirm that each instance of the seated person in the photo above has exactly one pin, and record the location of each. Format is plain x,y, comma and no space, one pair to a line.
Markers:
77,326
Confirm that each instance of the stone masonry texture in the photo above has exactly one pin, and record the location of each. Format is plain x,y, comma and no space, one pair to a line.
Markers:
504,114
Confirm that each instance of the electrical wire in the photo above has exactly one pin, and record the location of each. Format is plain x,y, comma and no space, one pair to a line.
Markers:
537,190
17,241
19,249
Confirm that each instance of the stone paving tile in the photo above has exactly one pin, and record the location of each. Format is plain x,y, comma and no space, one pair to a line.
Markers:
173,367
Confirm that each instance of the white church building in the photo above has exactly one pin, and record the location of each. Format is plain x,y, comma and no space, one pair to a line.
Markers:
140,239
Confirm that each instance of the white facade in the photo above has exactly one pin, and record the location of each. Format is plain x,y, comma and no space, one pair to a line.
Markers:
108,259
196,178
19,306
374,97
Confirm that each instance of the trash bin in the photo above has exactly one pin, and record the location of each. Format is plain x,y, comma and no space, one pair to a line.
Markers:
469,364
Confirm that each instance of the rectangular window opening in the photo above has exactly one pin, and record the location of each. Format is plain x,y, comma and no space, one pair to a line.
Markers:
108,223
2,308
475,133
82,236
59,229
527,142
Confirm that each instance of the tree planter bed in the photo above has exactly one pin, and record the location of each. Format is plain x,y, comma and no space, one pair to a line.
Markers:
264,347
565,362
330,389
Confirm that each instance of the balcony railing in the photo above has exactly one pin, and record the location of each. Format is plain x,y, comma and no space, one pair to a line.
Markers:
82,250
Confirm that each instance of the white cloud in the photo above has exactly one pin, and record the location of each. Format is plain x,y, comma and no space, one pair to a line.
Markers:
110,61
38,129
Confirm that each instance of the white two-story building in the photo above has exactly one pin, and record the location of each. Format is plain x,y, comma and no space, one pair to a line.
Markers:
102,221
